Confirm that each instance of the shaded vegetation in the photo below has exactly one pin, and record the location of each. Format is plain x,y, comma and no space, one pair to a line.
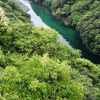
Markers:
14,12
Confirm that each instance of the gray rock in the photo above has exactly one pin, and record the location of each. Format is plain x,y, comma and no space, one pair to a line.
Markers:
24,7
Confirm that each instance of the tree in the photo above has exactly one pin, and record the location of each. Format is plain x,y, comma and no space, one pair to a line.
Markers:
3,22
40,78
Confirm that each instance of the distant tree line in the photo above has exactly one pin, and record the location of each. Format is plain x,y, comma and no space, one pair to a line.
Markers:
84,15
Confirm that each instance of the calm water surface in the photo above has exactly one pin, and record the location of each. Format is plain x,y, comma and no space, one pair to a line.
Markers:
41,17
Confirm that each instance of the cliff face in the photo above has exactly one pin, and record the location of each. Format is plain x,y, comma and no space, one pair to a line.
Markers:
84,15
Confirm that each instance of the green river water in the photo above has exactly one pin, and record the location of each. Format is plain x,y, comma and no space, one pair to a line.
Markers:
41,17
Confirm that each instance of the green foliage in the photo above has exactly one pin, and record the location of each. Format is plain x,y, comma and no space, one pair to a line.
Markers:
37,37
3,22
14,12
2,59
48,2
84,14
65,11
40,77
12,18
87,68
37,42
34,66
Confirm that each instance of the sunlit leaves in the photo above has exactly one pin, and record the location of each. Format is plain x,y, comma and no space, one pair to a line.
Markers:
11,74
35,85
2,59
3,22
25,38
40,77
36,38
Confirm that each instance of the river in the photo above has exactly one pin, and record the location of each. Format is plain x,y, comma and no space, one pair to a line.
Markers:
41,17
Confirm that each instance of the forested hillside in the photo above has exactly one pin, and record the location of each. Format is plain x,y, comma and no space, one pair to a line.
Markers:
84,15
13,12
35,66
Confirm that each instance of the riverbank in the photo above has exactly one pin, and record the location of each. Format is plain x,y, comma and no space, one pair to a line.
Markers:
41,17
67,21
72,21
24,7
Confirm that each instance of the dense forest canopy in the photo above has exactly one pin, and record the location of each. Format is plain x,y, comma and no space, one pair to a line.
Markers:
35,66
84,15
13,12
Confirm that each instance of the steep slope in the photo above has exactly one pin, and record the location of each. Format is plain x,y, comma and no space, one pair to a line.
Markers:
34,66
14,12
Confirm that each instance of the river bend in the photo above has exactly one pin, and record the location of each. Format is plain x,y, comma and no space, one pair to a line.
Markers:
41,17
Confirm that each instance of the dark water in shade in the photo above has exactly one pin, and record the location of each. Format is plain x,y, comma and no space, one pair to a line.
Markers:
41,17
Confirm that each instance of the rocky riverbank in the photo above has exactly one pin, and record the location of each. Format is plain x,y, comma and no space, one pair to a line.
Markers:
24,7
